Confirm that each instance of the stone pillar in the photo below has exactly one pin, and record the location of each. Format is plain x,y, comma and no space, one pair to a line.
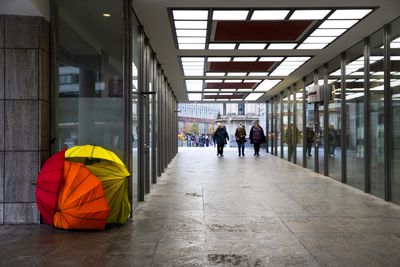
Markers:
24,114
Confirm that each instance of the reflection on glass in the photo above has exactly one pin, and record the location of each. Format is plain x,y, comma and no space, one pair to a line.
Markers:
395,92
135,89
310,126
355,116
278,127
334,119
285,123
299,125
377,129
270,126
89,104
321,137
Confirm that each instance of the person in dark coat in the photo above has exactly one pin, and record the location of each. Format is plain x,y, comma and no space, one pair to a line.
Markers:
257,137
309,139
240,136
220,136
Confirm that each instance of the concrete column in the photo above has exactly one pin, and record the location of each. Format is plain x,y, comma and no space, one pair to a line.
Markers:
24,114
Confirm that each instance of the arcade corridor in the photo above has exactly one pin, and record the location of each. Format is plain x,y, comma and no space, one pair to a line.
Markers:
209,211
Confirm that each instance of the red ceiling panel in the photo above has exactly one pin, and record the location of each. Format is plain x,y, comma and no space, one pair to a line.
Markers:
239,66
260,31
230,85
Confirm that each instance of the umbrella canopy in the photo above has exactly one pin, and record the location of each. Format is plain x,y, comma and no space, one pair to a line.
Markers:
115,182
48,184
81,203
88,153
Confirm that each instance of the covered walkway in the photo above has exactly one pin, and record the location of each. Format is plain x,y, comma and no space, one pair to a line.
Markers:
228,211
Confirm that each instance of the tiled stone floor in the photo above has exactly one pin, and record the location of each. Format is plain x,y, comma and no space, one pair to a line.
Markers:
230,211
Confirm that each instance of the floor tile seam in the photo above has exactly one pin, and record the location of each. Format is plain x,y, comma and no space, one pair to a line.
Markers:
302,244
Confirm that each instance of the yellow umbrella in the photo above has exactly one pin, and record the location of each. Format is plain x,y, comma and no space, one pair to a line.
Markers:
112,173
90,152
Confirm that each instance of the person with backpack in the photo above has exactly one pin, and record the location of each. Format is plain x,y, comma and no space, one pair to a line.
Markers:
257,137
240,136
220,136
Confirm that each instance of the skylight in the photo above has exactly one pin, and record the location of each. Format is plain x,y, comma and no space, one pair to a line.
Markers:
289,65
191,40
337,24
258,73
282,46
267,85
194,33
269,14
309,14
190,14
230,14
194,85
217,46
270,59
236,73
253,96
194,97
191,24
218,59
233,81
311,46
350,13
192,46
192,59
245,59
328,32
251,46
319,40
213,81
215,74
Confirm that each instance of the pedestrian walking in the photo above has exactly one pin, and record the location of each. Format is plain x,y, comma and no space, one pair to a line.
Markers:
257,137
240,136
220,136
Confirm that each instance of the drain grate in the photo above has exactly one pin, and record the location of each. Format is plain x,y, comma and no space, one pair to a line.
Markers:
232,259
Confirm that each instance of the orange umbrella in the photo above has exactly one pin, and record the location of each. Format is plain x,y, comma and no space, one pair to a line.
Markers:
81,201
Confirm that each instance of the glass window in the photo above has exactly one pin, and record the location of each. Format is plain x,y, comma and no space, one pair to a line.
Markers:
354,116
320,126
299,123
377,128
136,53
310,124
285,124
241,108
90,67
395,93
278,126
334,119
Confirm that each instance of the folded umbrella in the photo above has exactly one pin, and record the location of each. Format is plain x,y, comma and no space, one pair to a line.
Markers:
48,184
81,202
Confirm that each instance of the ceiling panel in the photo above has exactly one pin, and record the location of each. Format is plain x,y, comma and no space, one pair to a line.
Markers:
260,31
239,66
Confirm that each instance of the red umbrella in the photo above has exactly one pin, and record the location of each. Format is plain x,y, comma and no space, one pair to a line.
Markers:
48,185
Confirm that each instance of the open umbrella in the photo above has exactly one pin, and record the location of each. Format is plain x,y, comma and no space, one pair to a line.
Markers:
48,185
113,174
90,154
115,182
81,203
